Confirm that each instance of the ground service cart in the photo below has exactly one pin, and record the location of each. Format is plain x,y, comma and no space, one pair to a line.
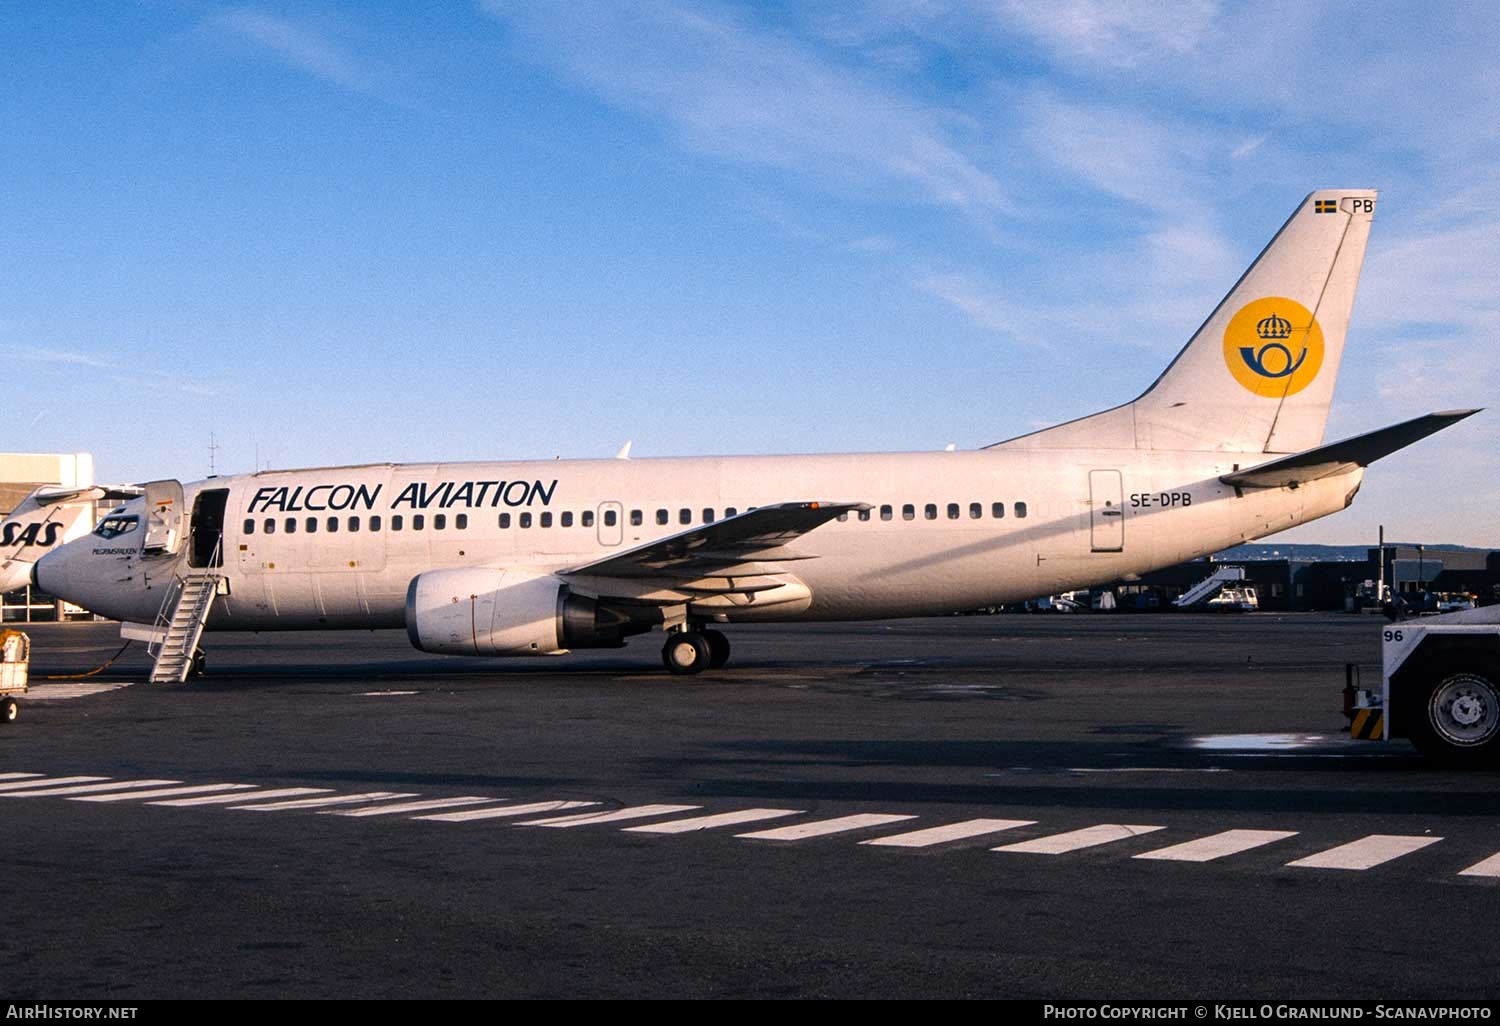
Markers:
1440,687
15,660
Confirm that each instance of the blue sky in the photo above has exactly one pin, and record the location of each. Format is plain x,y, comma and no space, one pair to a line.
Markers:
333,233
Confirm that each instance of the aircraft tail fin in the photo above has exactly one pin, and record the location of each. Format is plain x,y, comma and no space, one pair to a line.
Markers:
45,518
1258,375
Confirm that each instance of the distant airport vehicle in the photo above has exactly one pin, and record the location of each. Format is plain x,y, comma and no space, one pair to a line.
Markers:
1440,687
536,558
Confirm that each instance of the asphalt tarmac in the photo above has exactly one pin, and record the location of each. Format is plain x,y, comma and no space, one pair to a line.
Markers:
1184,814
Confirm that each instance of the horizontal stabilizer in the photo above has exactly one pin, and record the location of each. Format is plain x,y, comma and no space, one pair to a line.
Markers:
1341,457
98,493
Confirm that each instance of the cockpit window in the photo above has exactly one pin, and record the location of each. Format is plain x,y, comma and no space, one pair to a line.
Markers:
113,526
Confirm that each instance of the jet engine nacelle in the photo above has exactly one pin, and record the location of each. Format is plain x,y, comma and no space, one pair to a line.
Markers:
477,611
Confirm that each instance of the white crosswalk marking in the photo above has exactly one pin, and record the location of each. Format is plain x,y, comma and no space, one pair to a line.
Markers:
823,827
1088,837
162,792
315,803
399,807
1216,846
618,816
1365,852
55,791
22,785
1489,867
19,776
951,832
722,819
227,799
533,809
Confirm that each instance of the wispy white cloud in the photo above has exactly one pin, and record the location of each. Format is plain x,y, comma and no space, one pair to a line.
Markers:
1117,33
48,355
749,94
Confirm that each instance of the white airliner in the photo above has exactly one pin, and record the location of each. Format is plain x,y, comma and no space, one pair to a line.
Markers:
536,558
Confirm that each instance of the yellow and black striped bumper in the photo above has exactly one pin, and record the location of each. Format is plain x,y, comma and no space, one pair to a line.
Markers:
1368,725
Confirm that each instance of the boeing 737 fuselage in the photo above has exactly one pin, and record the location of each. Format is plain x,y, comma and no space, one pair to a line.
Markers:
534,558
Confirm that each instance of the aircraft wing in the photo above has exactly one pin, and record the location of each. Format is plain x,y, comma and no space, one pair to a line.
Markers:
742,545
1340,457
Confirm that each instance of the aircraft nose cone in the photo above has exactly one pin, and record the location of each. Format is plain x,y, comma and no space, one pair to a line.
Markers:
50,573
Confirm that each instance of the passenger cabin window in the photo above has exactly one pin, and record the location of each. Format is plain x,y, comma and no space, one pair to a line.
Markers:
311,524
567,518
375,523
843,516
504,521
418,521
525,519
610,518
635,518
908,512
291,525
588,518
930,511
546,519
1020,510
440,522
249,529
333,525
997,510
269,527
661,516
952,511
684,516
885,512
354,523
708,515
976,510
461,521
864,514
730,511
397,521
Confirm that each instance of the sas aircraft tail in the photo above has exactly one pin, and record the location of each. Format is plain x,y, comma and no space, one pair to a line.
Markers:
1258,376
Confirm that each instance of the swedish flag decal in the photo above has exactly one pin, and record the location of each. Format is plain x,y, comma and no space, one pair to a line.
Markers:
1325,206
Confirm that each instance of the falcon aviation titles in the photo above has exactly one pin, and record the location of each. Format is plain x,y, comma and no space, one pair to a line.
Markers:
416,495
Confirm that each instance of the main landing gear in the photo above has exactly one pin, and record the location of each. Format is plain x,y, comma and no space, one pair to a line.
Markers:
693,651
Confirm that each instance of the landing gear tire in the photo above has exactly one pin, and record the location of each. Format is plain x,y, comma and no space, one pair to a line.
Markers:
686,652
718,648
1456,718
9,710
199,663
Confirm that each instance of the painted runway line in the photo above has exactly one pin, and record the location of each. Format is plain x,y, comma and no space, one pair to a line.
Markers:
317,803
21,785
162,792
19,776
1217,846
824,827
722,819
55,791
505,811
1088,837
400,807
618,816
1489,867
228,799
953,832
1365,853
62,692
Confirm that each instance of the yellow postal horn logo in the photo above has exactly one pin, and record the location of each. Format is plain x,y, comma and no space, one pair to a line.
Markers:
1274,347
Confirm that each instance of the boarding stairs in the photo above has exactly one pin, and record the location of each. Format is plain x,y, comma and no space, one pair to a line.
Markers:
180,622
1209,586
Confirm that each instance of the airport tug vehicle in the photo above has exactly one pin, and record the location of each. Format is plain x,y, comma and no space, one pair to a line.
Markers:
1440,688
